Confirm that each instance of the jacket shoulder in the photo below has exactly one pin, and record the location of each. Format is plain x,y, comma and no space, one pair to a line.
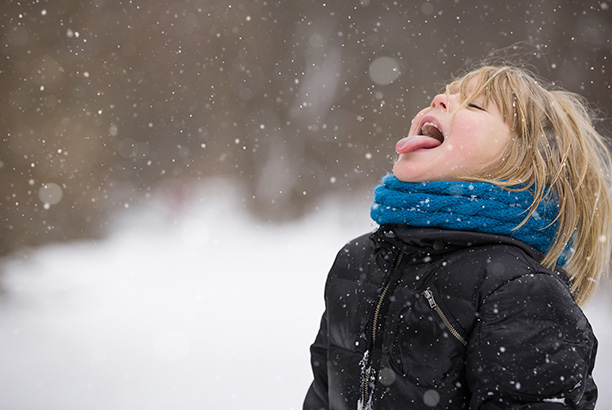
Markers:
362,243
526,319
500,264
527,316
354,254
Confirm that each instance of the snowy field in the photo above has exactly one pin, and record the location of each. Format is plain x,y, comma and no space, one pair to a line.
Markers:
197,307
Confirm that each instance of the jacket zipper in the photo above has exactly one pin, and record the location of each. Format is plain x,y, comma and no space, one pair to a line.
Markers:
432,304
374,329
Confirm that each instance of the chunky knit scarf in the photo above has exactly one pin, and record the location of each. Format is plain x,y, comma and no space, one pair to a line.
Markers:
467,206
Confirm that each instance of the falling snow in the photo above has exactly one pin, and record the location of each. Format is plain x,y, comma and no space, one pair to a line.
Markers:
109,107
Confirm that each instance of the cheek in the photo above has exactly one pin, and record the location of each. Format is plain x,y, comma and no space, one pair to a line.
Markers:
466,136
476,134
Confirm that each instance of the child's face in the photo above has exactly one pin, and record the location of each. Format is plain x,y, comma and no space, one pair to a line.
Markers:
441,146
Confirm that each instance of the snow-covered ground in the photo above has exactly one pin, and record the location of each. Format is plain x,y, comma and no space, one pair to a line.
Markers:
189,308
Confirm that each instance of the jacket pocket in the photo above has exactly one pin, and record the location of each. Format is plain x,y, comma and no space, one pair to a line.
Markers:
451,326
429,344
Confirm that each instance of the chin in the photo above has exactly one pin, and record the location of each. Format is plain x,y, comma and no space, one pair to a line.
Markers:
407,176
404,176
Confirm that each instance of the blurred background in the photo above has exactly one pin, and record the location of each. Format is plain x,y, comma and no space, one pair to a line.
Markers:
105,102
262,114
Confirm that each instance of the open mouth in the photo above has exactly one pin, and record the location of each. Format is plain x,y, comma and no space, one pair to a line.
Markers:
431,130
429,136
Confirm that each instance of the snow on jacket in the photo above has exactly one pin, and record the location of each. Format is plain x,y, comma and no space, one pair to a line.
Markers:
436,319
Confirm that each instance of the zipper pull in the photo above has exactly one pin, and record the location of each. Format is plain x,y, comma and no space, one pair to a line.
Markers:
429,296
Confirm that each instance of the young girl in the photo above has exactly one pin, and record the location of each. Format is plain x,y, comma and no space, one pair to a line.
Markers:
494,228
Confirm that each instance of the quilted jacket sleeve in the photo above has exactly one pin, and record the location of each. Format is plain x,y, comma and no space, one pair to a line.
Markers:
317,397
532,348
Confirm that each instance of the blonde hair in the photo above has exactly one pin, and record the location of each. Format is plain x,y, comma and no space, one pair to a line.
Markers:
553,144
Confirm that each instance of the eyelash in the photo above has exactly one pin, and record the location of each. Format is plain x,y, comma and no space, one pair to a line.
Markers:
476,106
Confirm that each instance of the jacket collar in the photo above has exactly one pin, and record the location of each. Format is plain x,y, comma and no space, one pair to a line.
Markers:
440,241
437,242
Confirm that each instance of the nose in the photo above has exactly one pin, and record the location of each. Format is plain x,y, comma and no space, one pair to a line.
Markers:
440,100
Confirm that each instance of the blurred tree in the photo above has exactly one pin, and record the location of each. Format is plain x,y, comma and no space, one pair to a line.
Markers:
104,103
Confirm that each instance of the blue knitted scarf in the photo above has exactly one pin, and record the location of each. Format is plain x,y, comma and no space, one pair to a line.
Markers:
467,206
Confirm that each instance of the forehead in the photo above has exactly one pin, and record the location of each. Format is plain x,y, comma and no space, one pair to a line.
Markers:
490,87
472,84
493,87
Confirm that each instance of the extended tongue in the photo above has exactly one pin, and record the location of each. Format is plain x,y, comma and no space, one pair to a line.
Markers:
415,142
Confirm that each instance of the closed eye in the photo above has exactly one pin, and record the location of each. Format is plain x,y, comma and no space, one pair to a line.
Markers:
476,106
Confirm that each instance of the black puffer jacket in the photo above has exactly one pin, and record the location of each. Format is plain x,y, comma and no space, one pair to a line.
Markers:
436,319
